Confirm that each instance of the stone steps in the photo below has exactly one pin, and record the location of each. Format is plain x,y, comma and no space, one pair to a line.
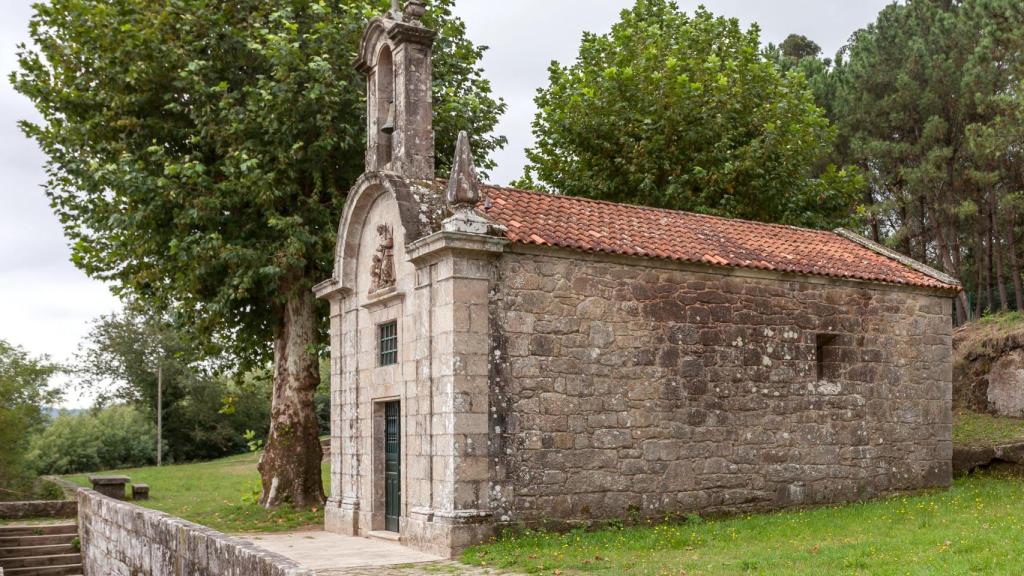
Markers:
70,570
41,530
34,540
44,550
42,561
36,551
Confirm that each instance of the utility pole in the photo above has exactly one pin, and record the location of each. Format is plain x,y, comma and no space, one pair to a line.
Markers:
159,413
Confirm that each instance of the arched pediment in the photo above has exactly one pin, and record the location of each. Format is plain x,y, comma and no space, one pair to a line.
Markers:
419,209
374,37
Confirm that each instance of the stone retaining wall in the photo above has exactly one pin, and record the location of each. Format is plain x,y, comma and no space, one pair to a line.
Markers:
122,539
38,509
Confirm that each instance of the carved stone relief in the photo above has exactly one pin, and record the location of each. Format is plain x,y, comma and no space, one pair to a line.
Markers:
382,273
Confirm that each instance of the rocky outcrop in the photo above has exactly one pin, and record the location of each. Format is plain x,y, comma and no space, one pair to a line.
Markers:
988,373
967,459
1006,385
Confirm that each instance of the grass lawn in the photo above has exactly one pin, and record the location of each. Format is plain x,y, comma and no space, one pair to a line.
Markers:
975,528
220,494
973,429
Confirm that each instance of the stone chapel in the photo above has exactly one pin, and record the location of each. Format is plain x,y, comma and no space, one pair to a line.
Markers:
503,357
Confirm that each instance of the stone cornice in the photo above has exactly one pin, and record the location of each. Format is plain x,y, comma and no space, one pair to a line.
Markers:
699,268
383,298
330,287
402,32
902,259
439,242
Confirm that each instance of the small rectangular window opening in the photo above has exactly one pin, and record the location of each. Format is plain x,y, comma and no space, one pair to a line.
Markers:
387,338
826,356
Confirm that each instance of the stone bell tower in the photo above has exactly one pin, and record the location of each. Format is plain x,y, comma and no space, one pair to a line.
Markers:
412,455
395,54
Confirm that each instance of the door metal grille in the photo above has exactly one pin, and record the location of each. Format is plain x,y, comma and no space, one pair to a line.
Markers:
392,466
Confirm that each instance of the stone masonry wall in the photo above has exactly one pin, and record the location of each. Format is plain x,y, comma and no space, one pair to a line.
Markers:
38,509
121,539
623,390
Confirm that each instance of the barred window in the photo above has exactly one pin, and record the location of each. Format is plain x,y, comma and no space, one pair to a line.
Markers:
387,338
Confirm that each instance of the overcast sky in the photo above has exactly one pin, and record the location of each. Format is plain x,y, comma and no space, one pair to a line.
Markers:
46,304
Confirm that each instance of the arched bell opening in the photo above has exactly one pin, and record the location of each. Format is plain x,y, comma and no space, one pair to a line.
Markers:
385,106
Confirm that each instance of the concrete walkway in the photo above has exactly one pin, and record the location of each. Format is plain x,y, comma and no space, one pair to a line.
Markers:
336,555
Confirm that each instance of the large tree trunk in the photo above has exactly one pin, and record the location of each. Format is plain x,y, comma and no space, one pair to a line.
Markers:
290,465
926,241
1011,250
950,265
980,303
990,301
905,245
997,251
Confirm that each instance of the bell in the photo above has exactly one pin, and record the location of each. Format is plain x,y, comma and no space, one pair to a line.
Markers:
389,124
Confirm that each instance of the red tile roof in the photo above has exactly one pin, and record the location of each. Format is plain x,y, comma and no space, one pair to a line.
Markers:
596,226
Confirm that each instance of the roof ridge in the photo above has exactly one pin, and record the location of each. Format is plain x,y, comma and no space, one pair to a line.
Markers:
656,209
538,217
894,255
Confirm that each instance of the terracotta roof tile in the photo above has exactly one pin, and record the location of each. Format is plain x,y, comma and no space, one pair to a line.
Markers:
596,226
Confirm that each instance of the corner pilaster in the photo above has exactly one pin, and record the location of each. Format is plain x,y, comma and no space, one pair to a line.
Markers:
342,507
464,272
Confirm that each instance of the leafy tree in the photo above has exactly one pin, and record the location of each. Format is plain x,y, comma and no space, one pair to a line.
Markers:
199,156
113,437
799,53
687,112
798,47
205,412
995,139
217,413
25,394
926,97
120,357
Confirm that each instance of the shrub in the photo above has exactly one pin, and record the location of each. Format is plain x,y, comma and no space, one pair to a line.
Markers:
112,437
24,393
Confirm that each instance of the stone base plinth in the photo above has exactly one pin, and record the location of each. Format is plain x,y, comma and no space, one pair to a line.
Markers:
342,518
446,534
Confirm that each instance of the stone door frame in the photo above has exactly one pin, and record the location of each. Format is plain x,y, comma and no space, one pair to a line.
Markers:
377,450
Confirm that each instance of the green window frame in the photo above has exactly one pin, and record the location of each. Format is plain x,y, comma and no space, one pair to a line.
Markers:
387,343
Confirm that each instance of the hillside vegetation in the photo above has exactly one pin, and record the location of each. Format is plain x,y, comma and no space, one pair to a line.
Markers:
221,494
988,335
